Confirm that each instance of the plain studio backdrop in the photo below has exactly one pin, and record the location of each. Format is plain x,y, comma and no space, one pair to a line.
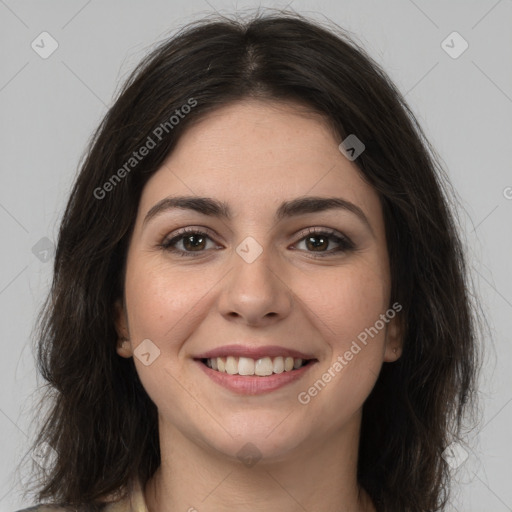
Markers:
451,60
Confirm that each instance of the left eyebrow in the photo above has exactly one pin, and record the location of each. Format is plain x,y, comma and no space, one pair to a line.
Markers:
215,208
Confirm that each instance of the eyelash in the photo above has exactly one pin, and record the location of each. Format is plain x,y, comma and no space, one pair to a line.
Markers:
345,244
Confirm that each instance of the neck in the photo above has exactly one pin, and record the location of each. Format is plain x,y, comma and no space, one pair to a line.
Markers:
320,477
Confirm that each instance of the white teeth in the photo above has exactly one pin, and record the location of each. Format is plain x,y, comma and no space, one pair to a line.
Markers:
278,364
262,367
246,366
231,365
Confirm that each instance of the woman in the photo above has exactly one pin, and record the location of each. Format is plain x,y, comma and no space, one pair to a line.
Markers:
260,298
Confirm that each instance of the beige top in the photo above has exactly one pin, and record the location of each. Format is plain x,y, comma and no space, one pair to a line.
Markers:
133,502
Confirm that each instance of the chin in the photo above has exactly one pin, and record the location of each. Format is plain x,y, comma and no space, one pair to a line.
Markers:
258,441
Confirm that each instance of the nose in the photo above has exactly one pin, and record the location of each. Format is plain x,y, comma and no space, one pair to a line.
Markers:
255,293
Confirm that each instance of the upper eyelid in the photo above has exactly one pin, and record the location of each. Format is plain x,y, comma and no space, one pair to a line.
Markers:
190,230
301,234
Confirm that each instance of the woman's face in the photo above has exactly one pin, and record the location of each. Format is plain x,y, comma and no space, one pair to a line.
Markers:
270,279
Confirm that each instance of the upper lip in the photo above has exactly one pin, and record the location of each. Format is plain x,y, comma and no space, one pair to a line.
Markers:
253,352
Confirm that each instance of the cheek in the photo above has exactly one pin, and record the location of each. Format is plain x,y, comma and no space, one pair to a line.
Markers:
346,307
347,300
165,308
163,304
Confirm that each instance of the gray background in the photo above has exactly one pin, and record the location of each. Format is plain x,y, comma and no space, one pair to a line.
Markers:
50,107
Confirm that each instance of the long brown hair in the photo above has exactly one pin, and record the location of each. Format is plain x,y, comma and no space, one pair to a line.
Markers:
101,422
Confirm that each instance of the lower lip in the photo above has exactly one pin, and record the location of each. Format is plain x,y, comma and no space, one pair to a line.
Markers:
254,385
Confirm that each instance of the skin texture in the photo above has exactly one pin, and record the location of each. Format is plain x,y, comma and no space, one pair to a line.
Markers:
254,155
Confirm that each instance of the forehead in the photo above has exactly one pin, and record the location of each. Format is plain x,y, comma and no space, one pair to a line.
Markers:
250,131
254,154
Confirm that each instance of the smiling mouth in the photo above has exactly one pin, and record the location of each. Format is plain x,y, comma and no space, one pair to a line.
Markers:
263,367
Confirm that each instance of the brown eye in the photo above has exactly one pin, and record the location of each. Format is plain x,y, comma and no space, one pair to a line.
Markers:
319,241
194,242
191,240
